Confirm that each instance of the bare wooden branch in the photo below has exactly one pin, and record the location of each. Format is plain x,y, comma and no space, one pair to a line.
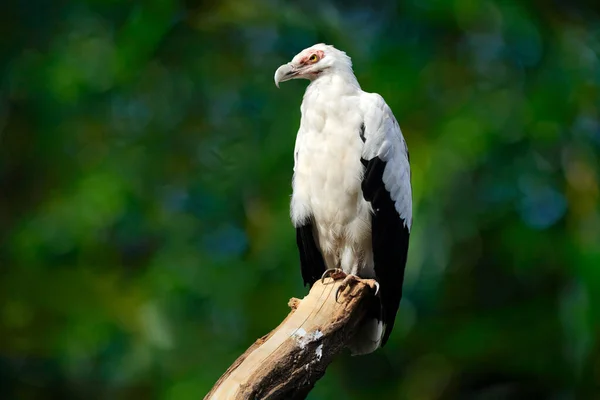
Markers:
286,363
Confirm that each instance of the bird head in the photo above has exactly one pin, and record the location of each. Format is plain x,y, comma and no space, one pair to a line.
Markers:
312,63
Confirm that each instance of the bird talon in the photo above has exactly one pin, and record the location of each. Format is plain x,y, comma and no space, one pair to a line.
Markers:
344,285
334,273
337,293
376,284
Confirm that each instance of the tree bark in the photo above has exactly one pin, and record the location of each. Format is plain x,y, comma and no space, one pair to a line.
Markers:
286,363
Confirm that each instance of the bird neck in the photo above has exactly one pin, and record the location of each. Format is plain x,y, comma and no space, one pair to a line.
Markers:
335,77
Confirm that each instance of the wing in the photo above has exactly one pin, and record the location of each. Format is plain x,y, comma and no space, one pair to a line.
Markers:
386,185
311,259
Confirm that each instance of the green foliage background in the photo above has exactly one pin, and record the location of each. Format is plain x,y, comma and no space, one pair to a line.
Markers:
145,166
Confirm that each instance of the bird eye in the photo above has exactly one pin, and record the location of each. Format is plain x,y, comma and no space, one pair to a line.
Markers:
314,58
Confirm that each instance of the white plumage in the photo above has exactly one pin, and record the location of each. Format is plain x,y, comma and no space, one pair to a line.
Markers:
344,134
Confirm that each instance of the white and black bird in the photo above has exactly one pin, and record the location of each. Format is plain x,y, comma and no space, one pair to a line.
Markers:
352,199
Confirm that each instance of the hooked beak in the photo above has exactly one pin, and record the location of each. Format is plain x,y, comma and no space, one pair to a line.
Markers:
285,73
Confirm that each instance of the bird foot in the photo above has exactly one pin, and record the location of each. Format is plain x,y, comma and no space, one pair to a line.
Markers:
344,285
333,273
372,283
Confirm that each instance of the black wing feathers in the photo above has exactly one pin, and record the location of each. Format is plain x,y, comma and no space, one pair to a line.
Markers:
311,259
390,242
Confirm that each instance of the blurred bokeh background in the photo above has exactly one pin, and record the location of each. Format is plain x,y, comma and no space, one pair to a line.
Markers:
145,166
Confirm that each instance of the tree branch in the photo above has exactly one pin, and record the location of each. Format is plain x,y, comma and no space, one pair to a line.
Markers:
286,363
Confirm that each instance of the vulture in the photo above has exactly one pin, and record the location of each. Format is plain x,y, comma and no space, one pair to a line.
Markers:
351,202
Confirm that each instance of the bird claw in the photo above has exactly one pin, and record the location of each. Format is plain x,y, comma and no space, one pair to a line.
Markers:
333,273
337,292
344,285
375,286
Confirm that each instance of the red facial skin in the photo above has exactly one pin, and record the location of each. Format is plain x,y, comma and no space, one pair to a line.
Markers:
305,60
